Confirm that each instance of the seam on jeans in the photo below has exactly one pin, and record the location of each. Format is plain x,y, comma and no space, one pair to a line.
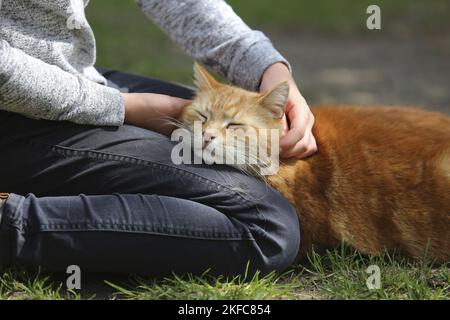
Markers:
130,160
128,227
115,228
14,221
23,227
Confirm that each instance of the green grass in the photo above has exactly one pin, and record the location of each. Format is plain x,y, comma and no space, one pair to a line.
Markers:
20,285
336,274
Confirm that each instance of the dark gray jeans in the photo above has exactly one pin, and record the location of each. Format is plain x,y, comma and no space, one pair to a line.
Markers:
109,199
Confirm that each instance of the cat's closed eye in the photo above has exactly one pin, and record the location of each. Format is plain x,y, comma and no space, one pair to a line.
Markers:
202,116
234,125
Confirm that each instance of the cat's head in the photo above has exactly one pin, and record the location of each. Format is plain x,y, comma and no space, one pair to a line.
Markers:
228,115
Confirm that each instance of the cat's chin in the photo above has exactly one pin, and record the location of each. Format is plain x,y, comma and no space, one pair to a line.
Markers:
245,167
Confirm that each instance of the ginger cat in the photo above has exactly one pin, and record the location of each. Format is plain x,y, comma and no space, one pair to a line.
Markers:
379,181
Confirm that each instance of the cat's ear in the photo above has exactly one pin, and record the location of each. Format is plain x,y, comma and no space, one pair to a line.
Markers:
276,99
203,79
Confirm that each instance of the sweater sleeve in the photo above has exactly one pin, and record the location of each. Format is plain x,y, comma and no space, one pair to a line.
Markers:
31,87
211,32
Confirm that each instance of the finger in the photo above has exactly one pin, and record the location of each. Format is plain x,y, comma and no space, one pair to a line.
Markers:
310,150
285,127
299,118
297,150
305,147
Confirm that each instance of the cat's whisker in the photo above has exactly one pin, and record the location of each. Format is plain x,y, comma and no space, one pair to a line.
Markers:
175,122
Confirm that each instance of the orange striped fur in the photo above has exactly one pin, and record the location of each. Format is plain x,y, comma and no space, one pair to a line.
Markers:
379,181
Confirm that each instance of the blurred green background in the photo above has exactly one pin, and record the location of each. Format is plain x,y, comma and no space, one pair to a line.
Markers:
127,40
305,31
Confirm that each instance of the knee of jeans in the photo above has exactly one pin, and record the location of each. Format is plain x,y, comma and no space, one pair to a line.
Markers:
279,236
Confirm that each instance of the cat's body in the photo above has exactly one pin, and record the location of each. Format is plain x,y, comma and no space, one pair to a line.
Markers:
379,181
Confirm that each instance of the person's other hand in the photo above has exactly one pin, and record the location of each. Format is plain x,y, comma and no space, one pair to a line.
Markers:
153,111
298,140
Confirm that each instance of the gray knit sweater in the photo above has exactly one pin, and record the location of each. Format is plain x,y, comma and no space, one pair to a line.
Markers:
47,54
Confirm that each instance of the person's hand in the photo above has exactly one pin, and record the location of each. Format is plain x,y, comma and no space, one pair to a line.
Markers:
153,111
298,121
